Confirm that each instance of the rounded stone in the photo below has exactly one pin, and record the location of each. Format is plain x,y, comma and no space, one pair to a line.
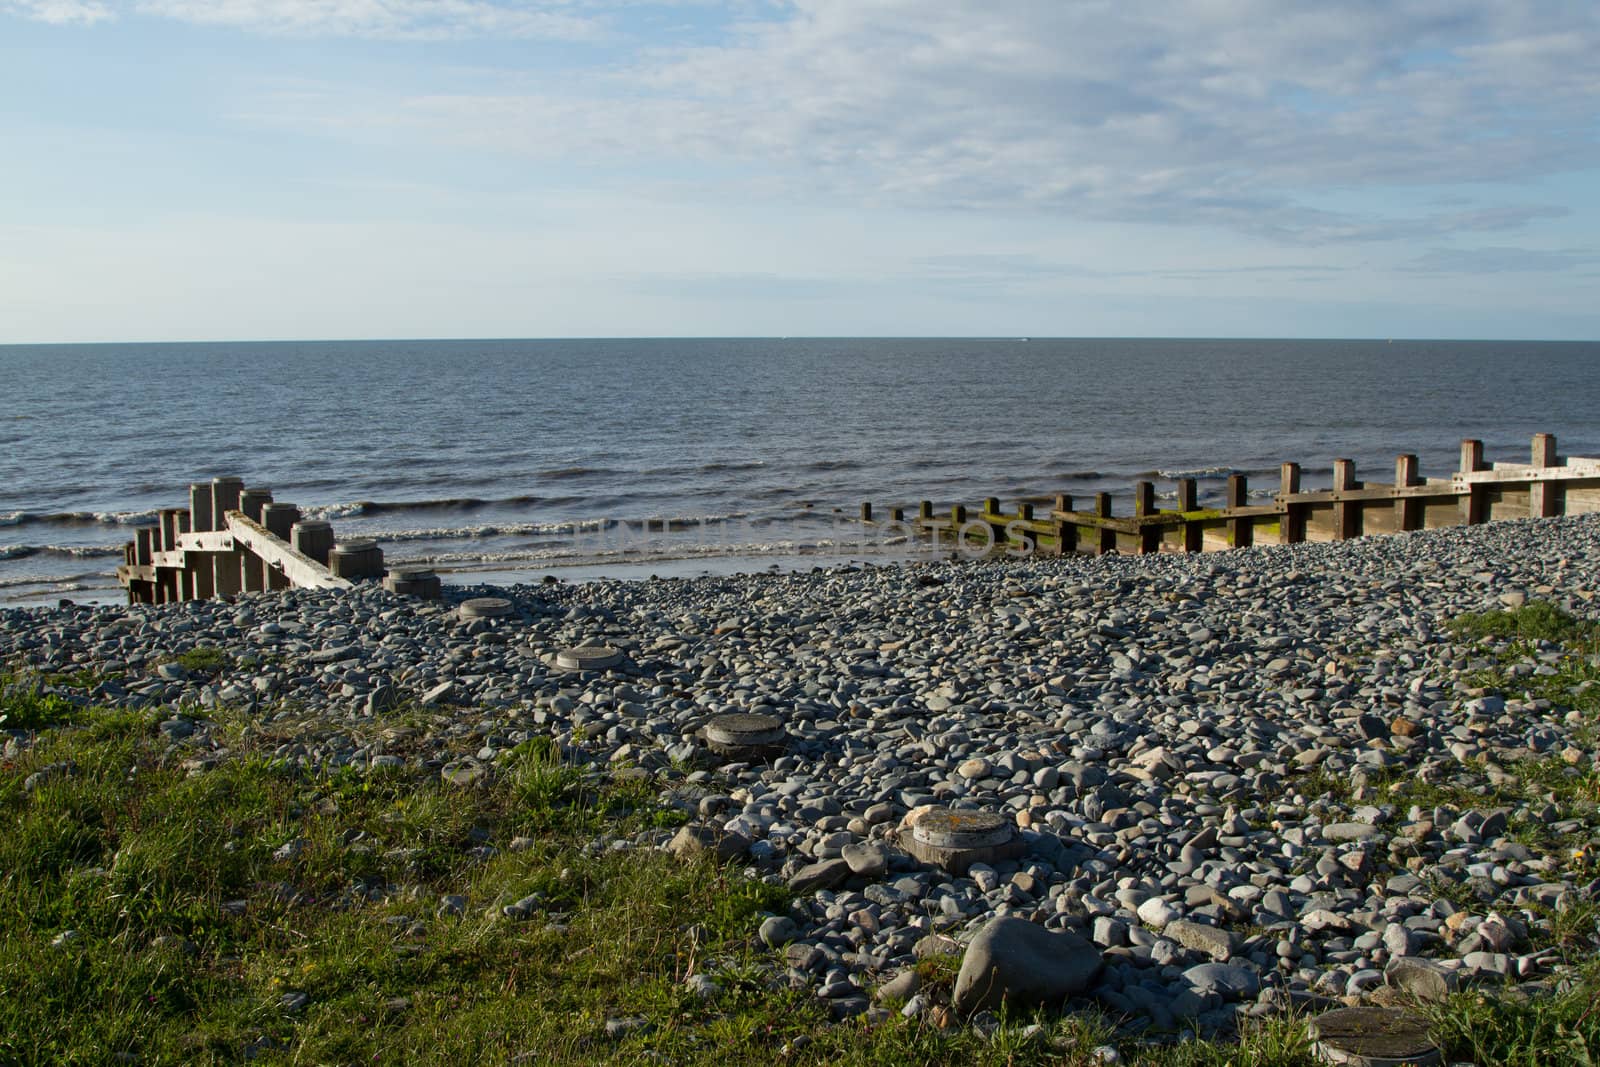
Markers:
1373,1037
744,734
485,607
589,658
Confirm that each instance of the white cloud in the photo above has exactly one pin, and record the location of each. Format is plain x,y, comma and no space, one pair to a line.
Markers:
58,12
393,19
1248,115
380,19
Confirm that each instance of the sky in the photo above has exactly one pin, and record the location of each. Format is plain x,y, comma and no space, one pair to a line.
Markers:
176,170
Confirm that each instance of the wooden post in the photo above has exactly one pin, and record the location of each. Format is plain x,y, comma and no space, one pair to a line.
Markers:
897,514
1029,538
1471,499
1241,531
279,519
1292,524
1194,535
1066,532
183,522
1346,515
925,510
997,528
1144,506
169,580
143,545
252,574
226,566
1108,536
198,568
1542,495
866,511
1407,509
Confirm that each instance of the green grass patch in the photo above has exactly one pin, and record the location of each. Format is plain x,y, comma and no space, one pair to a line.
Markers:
26,705
1537,620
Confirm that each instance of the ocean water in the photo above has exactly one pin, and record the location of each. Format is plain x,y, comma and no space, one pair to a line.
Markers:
516,459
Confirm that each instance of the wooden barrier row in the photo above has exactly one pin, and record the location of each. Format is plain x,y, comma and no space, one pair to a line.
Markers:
232,540
1476,492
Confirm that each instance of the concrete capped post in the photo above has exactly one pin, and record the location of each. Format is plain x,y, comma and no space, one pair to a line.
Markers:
226,566
198,568
253,573
356,559
313,538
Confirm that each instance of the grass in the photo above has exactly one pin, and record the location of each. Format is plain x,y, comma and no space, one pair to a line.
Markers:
258,911
1536,637
25,704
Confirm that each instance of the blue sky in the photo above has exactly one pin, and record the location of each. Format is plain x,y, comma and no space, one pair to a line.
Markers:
241,169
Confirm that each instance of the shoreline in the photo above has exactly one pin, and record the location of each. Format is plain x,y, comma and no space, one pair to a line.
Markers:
1213,760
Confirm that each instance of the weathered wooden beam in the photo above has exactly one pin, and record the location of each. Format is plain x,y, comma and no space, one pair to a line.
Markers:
301,570
1108,533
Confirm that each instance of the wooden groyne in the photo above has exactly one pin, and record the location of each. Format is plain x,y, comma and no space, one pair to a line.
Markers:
1478,491
232,540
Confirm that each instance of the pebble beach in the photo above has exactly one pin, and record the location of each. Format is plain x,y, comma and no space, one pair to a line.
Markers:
1205,760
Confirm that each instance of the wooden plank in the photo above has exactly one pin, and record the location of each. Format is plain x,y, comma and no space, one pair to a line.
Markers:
175,559
210,541
302,571
1525,474
1367,493
135,572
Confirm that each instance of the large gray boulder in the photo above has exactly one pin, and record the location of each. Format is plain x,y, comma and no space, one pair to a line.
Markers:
1021,964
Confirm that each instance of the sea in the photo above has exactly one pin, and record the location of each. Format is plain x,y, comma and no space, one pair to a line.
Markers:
503,460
